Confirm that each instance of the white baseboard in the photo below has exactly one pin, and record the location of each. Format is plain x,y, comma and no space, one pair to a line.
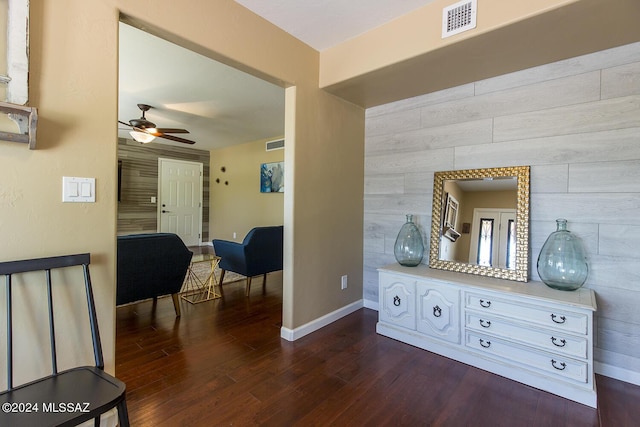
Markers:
314,325
373,305
617,373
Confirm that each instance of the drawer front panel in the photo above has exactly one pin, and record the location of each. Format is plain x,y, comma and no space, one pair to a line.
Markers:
438,311
547,340
550,363
397,301
561,320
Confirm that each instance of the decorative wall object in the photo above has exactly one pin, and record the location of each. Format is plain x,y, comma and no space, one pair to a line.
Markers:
272,177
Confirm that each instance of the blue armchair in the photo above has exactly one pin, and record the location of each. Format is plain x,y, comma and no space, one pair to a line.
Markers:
259,253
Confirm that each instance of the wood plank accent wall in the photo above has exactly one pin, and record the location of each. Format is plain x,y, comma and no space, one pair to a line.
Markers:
577,123
136,213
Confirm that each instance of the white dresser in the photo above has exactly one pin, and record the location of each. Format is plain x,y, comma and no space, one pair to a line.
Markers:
527,332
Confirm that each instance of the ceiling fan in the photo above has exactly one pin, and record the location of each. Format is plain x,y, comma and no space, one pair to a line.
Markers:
145,131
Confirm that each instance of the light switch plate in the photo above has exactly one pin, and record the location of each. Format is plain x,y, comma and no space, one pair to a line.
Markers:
82,190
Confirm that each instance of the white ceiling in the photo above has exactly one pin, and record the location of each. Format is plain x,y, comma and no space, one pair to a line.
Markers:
219,105
325,23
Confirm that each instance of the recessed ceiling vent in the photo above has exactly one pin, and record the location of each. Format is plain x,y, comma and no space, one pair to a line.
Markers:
278,144
459,17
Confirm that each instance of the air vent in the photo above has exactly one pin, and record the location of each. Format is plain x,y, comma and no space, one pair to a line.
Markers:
278,144
459,17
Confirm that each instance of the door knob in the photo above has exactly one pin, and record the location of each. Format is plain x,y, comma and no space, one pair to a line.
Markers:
163,211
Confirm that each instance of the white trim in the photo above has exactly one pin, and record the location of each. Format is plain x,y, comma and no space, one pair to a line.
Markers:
314,325
373,305
617,373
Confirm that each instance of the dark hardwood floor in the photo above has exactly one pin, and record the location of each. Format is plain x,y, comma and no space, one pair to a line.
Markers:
223,363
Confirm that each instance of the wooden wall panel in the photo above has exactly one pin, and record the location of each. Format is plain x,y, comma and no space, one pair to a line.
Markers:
577,124
136,213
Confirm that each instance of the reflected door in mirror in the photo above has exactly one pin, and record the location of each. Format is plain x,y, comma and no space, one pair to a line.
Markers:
493,237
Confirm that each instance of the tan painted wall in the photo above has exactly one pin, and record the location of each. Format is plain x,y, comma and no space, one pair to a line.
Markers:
323,134
75,92
417,33
73,79
407,57
240,206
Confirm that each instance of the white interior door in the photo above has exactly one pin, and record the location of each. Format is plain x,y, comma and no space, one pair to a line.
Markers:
493,237
180,204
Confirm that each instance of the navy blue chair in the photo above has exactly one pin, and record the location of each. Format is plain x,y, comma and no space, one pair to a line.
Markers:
150,266
259,253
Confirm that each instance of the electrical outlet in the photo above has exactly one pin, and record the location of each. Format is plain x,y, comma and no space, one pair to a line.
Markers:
343,282
234,235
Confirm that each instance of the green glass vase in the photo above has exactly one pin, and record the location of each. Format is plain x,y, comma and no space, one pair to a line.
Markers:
562,263
409,247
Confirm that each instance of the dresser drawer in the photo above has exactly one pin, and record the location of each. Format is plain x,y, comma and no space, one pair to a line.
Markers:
561,320
544,339
549,363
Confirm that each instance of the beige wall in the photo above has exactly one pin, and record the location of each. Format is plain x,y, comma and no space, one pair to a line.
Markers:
240,206
407,56
76,101
318,128
73,83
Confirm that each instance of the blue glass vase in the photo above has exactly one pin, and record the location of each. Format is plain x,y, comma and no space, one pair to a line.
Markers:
562,263
409,247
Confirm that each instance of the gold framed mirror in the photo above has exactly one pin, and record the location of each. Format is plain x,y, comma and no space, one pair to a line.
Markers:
487,232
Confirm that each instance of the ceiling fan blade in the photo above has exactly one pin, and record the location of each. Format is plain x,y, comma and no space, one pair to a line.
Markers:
144,126
176,138
171,130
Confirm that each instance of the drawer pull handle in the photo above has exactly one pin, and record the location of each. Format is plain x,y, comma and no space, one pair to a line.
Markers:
561,321
396,301
485,344
555,365
437,311
485,323
485,304
555,342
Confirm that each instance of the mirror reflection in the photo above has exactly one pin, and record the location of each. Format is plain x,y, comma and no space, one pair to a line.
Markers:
480,222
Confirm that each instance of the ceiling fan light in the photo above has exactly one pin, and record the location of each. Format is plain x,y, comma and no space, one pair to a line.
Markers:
141,136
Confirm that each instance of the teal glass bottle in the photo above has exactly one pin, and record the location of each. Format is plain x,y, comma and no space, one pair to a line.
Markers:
409,248
562,263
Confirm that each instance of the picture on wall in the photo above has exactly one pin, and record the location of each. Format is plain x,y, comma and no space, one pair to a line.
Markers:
272,177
